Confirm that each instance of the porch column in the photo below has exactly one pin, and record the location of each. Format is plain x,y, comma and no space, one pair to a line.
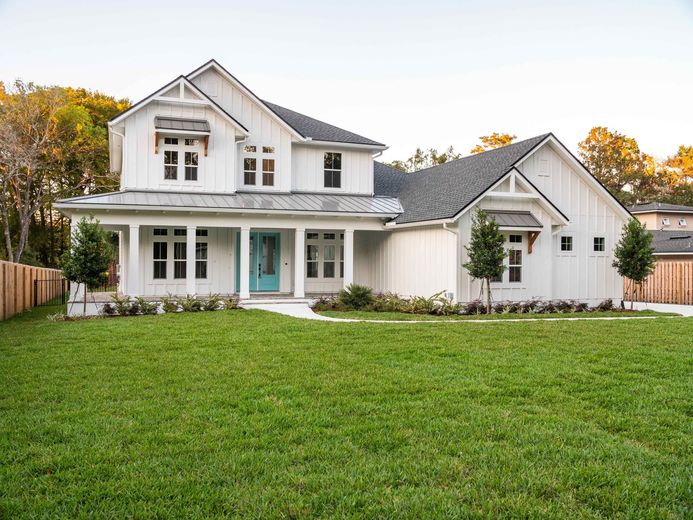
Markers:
299,263
348,257
133,271
76,290
244,290
190,239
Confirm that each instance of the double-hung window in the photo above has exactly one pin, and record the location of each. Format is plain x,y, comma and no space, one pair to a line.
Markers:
191,159
268,172
171,165
333,170
249,170
160,257
312,259
515,266
201,260
179,259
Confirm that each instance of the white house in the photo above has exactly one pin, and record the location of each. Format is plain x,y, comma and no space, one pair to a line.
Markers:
222,192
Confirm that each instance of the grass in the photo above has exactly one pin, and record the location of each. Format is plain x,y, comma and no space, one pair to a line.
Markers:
250,414
402,316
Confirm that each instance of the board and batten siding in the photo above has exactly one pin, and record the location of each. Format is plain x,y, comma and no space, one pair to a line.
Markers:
417,261
144,169
308,170
264,129
582,274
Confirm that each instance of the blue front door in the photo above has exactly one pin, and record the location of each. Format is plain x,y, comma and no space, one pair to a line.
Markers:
264,261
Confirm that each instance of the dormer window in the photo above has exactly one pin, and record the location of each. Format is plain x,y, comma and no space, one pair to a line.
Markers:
191,159
665,221
170,164
249,169
183,151
682,222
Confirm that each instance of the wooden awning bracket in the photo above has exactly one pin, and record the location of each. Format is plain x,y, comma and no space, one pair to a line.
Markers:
156,143
206,144
531,237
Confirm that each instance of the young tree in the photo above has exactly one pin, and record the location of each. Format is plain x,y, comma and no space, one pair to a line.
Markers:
90,253
495,140
634,255
485,252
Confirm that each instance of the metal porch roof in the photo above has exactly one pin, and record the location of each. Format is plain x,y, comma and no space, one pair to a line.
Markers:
182,124
519,219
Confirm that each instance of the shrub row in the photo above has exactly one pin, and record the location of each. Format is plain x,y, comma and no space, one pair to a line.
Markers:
359,297
127,306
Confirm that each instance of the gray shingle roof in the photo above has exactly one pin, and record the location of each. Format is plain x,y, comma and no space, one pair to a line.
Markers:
318,130
443,191
179,123
241,201
659,206
665,241
520,219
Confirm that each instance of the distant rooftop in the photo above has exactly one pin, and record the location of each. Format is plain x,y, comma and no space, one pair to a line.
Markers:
651,207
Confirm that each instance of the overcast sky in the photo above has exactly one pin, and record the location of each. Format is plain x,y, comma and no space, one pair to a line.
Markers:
407,73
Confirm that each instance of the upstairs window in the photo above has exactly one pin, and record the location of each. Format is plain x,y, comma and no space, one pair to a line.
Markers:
268,149
171,140
249,149
170,165
267,172
333,170
682,222
191,166
515,266
249,170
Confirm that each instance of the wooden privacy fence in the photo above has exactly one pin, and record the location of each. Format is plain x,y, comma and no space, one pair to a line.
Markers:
24,286
671,282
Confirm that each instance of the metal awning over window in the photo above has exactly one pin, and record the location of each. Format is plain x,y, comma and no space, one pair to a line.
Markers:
179,124
514,219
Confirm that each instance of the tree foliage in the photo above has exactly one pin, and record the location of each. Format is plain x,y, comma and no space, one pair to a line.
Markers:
495,140
486,252
86,262
53,144
634,258
423,159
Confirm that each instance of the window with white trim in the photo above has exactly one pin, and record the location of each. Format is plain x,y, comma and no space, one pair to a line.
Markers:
328,262
180,250
515,266
566,243
249,170
201,260
312,259
183,152
160,257
321,255
665,221
268,172
333,169
682,222
599,244
259,165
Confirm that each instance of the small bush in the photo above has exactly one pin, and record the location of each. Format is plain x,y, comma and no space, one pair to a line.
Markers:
190,303
107,309
580,307
564,306
146,307
355,297
325,303
231,302
169,304
134,309
388,302
473,308
122,304
211,303
606,305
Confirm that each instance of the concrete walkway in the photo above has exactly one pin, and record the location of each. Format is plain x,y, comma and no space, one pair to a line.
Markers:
684,310
303,311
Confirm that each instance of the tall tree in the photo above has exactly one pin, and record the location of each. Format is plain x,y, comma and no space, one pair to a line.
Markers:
425,159
28,131
495,140
634,258
485,252
678,171
616,160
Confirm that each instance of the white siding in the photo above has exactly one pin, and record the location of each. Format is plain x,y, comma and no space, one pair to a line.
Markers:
144,169
411,262
582,275
264,129
308,170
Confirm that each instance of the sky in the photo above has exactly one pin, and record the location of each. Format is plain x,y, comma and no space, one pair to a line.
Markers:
408,73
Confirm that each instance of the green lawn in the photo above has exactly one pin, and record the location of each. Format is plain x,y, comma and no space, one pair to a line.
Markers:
245,413
402,316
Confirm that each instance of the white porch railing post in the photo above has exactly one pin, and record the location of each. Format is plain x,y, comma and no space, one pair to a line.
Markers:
190,239
299,263
348,257
244,275
133,271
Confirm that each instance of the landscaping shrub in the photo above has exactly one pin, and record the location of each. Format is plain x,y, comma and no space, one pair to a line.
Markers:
325,303
169,304
122,304
146,307
108,310
606,305
190,303
134,309
357,297
231,302
388,302
474,307
580,307
211,303
564,306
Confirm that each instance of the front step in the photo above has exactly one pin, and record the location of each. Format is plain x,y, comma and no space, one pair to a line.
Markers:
271,301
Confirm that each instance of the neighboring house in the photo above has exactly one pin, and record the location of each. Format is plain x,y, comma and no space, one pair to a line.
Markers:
222,192
671,226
